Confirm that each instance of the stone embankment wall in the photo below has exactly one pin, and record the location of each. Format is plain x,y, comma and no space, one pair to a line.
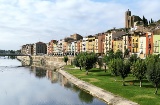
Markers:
45,60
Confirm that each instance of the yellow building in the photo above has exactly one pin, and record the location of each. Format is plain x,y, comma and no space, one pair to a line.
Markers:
135,43
96,44
90,43
118,44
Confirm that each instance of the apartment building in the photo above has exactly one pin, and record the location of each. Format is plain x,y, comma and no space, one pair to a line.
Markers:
142,46
156,42
96,44
84,44
118,44
40,48
126,42
149,43
90,43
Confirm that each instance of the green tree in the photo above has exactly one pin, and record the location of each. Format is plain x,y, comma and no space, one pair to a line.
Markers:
86,60
76,61
145,21
113,67
118,54
133,58
89,61
153,70
123,68
108,57
126,53
65,59
138,69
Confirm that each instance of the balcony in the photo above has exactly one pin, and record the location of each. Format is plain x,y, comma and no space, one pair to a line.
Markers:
156,45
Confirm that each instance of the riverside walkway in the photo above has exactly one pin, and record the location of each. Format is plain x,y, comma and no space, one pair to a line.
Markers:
108,97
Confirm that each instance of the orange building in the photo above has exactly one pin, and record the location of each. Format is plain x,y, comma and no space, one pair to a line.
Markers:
149,43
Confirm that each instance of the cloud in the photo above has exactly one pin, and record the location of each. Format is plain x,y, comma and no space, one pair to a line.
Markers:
29,21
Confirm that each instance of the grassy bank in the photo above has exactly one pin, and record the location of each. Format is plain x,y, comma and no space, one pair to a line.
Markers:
143,95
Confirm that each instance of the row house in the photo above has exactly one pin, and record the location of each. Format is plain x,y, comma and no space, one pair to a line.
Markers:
90,43
156,41
84,44
51,47
117,44
40,48
135,43
140,43
108,42
27,49
127,42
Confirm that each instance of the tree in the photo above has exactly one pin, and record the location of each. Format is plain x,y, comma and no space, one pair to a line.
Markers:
152,21
76,63
65,59
153,70
145,21
113,67
108,57
86,60
126,53
133,58
89,61
118,54
123,68
138,69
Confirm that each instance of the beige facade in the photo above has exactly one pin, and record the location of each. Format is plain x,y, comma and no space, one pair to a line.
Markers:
142,49
108,41
90,44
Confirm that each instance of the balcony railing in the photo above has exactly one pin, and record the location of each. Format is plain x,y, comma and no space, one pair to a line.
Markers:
156,45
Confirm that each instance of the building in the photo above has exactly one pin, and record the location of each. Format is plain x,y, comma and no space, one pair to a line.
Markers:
76,36
40,48
118,44
108,41
101,43
149,43
51,47
27,49
156,42
127,42
90,43
84,44
135,43
142,46
131,21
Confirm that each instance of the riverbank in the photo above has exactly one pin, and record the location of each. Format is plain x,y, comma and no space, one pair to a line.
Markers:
108,97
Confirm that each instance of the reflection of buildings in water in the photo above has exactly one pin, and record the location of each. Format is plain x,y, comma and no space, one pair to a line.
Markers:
65,82
51,75
39,72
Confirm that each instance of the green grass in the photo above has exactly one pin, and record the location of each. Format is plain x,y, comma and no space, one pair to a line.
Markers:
143,95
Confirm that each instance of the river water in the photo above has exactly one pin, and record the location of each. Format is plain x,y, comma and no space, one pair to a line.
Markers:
38,86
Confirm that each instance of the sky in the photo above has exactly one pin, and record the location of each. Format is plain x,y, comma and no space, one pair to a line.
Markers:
29,21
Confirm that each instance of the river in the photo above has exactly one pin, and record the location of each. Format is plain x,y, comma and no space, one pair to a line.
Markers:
38,86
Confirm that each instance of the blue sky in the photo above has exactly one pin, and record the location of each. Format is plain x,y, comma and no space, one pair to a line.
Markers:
29,21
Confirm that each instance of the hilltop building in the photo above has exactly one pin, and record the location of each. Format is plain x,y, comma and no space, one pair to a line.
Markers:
131,21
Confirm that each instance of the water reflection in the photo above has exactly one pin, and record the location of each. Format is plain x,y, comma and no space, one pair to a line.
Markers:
38,86
38,71
56,77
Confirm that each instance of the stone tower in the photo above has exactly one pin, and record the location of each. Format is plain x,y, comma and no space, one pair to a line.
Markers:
128,19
